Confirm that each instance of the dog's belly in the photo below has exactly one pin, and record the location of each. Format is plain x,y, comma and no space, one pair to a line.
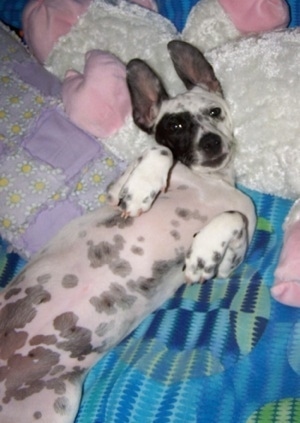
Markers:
88,289
103,267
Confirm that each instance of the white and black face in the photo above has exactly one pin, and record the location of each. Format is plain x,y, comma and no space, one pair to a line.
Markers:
196,126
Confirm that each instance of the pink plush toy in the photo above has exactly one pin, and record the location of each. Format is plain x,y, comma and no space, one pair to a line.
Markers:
257,15
44,21
98,100
286,288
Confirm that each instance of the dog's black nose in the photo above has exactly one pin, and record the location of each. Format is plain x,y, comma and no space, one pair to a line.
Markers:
211,144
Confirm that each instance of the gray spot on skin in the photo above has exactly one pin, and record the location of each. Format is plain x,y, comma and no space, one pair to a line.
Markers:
121,267
105,345
104,328
108,254
82,234
57,369
145,286
12,292
37,415
123,300
101,254
11,340
187,214
58,386
118,221
217,257
42,339
137,250
109,301
183,213
70,281
175,223
24,375
38,295
16,315
43,278
62,406
77,339
104,304
141,239
148,287
75,376
182,187
175,235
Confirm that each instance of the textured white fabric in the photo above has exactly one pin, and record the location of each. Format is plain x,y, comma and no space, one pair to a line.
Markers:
261,80
208,26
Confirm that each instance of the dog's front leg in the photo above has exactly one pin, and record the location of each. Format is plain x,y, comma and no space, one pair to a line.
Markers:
136,190
218,248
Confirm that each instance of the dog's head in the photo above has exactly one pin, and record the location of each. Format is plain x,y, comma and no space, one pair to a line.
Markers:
196,125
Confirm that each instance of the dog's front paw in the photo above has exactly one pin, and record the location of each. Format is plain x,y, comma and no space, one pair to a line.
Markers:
136,190
218,248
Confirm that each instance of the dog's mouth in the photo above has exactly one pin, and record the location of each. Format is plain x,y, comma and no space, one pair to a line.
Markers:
215,162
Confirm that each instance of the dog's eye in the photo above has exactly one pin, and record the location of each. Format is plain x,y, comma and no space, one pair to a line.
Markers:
215,112
176,124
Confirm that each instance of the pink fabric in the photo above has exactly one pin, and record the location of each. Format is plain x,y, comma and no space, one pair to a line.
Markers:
149,4
44,21
98,100
286,287
257,15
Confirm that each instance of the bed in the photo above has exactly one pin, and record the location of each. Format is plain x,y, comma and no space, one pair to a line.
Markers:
223,352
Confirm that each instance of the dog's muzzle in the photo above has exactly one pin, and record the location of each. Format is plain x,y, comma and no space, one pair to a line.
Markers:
211,146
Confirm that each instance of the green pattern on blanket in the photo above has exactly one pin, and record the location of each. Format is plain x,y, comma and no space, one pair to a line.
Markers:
286,410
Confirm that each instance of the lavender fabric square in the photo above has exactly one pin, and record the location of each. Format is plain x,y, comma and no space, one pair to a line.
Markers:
51,171
59,143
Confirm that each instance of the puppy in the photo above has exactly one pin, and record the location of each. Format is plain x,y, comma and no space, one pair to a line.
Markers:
104,272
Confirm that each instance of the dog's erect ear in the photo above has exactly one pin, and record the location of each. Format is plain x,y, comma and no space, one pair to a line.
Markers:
147,93
192,67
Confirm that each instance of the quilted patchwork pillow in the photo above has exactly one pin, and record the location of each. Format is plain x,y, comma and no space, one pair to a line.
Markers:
50,170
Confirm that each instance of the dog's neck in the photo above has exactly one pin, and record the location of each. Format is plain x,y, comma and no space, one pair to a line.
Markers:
227,175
